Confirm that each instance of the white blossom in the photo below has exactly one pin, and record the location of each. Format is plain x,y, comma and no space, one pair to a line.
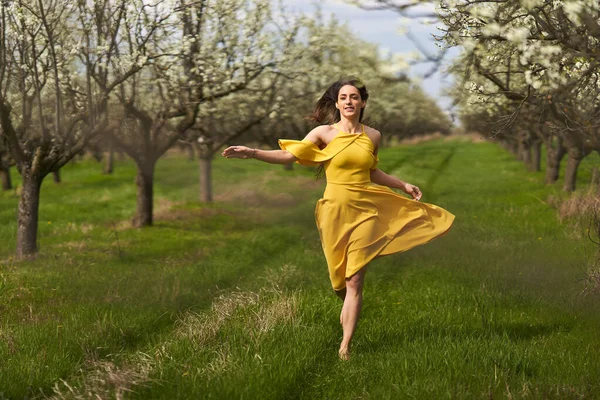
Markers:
531,4
572,9
517,35
492,29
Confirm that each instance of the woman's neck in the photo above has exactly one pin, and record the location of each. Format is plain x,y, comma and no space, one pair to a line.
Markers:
350,126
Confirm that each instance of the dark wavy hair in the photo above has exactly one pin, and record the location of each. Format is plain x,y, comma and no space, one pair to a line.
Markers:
325,112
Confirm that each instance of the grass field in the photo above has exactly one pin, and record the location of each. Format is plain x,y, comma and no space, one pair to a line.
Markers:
232,299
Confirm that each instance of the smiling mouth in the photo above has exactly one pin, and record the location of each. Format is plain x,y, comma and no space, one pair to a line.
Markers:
348,108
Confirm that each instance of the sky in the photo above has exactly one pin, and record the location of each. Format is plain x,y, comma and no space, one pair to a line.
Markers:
382,28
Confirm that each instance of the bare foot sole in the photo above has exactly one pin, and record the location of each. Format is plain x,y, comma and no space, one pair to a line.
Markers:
344,354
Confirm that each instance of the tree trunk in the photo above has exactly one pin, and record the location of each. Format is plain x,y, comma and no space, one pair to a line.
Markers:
110,162
554,156
575,157
145,195
97,154
288,166
536,156
205,165
5,178
513,148
190,152
28,216
56,176
524,153
595,182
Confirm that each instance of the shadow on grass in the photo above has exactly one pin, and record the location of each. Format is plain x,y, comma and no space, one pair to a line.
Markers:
383,341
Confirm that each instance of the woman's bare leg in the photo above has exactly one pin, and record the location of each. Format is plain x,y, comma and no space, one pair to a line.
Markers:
351,310
342,295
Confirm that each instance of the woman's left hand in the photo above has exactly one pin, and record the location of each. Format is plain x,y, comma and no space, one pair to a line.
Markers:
413,190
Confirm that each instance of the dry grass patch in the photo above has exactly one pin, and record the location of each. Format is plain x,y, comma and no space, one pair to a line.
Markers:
255,314
203,328
163,207
259,313
582,210
282,309
121,226
79,228
576,205
74,247
105,380
161,211
593,272
277,277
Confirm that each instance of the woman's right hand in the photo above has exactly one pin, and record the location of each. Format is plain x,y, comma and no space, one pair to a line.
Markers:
238,152
413,190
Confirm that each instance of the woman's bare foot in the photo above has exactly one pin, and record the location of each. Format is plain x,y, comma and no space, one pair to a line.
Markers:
344,353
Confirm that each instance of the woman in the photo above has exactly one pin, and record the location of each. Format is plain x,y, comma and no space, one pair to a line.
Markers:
358,220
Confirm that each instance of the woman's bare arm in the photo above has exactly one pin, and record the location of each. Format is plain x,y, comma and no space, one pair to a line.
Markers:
268,156
378,176
272,156
381,178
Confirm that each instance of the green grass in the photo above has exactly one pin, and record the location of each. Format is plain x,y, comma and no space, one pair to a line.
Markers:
232,299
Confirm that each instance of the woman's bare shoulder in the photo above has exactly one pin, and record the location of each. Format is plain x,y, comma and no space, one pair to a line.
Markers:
324,129
374,135
372,132
320,134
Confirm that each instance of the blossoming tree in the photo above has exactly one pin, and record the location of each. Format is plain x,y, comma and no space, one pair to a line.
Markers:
534,64
49,105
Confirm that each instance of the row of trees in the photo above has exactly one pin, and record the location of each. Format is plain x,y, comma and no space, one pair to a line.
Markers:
530,74
140,77
135,72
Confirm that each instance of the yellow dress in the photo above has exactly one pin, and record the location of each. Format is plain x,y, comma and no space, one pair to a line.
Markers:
357,219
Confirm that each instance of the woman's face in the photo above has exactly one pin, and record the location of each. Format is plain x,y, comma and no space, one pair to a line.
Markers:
349,102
